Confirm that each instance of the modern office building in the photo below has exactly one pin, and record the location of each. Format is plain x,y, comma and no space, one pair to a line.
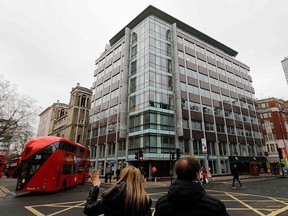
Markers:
68,120
284,63
273,114
162,85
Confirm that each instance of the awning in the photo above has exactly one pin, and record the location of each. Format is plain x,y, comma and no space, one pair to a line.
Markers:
244,159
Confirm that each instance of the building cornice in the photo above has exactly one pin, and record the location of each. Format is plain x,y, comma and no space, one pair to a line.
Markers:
151,10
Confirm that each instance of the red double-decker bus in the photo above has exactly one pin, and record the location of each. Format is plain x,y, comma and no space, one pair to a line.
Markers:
12,167
52,164
2,164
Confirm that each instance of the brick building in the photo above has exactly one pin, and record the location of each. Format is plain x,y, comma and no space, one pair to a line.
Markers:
273,114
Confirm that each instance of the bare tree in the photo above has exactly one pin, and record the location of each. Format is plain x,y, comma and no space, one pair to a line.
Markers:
18,113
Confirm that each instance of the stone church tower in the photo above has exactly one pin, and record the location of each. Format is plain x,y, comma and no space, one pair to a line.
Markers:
68,120
78,114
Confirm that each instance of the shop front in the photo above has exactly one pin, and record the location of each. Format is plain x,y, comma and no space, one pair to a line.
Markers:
249,165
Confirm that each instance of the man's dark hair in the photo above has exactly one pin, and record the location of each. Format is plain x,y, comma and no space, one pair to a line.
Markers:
187,168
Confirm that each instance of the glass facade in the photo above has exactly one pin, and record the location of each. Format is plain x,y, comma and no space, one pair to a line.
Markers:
159,87
151,105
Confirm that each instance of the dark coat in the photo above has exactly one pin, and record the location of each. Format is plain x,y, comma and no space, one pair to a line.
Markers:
111,205
189,198
235,172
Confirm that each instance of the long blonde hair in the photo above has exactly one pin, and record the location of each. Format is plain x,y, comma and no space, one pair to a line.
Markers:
136,197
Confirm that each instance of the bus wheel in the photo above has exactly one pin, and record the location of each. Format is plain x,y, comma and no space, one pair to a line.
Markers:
64,185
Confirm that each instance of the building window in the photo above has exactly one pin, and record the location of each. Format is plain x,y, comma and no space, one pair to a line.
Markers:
168,35
78,138
222,149
133,68
83,100
228,114
230,130
220,128
134,52
209,126
272,148
134,38
269,136
196,125
180,40
185,123
62,112
133,85
194,106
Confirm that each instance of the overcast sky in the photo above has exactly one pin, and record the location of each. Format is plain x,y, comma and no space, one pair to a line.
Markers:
47,47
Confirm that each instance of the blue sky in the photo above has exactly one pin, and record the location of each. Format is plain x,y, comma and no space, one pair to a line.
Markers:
47,47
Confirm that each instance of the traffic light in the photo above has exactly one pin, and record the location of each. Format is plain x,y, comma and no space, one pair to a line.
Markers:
280,153
136,155
141,153
172,156
178,154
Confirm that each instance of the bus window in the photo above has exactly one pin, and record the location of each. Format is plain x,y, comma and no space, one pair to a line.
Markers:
33,169
24,170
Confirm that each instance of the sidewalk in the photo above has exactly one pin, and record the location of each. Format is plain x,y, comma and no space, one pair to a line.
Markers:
166,182
245,176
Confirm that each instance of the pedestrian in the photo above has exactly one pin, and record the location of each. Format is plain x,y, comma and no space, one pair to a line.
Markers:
126,197
107,174
186,196
204,176
236,177
154,170
110,174
142,173
118,170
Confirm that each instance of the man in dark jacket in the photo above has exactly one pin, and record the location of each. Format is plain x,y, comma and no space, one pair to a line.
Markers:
236,177
186,196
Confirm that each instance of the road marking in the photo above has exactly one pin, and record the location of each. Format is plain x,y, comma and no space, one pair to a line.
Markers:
34,211
273,209
5,190
62,204
245,194
258,201
66,209
238,209
248,206
278,211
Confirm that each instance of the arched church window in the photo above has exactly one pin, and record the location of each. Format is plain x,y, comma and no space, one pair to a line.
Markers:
83,100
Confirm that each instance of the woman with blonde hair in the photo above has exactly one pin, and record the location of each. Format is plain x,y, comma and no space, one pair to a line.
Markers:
127,197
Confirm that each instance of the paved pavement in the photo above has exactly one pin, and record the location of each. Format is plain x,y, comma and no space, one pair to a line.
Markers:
225,178
10,183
